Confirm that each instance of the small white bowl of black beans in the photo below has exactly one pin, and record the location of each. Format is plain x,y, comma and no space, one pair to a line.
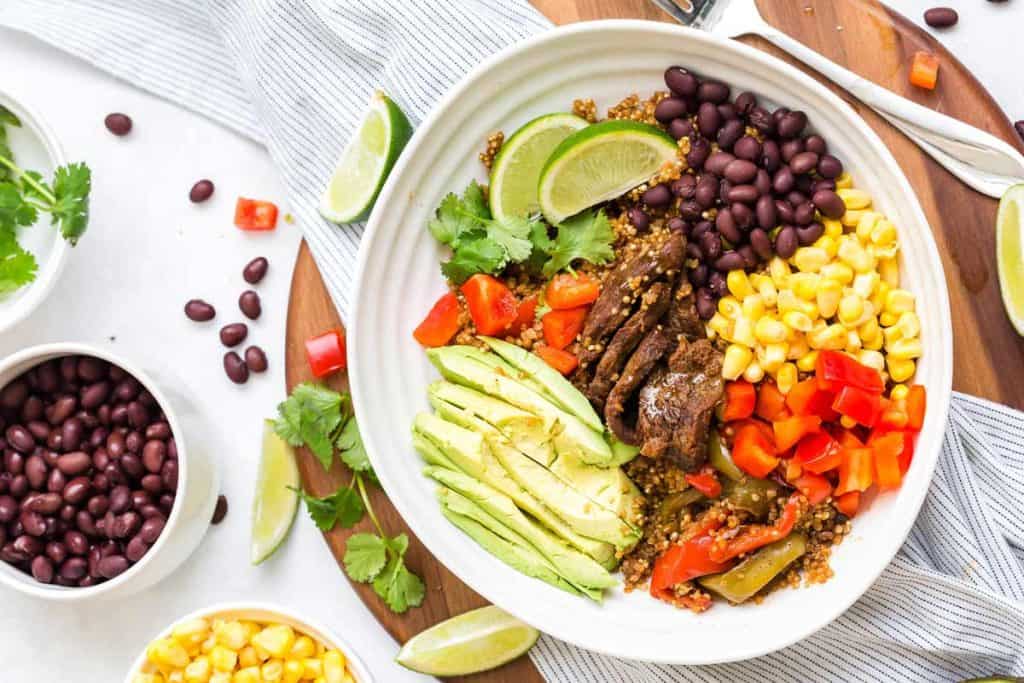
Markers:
104,486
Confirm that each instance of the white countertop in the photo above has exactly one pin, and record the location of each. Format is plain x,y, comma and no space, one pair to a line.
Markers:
149,250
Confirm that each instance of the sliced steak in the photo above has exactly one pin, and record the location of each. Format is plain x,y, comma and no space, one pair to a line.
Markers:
653,305
655,345
621,290
676,404
682,319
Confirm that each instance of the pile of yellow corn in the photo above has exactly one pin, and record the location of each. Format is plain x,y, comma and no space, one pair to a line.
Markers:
840,293
234,651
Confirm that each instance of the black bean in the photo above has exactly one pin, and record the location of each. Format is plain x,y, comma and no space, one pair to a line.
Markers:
763,181
249,304
822,184
717,162
729,133
730,260
33,522
747,148
708,120
816,144
713,91
748,254
717,283
98,505
8,509
21,440
112,565
256,359
153,455
771,156
95,394
783,181
705,303
681,82
743,215
42,569
152,483
637,216
36,471
723,189
158,430
670,108
199,311
690,210
56,551
726,225
804,162
680,128
711,246
19,486
804,214
795,198
779,113
744,102
941,17
235,368
701,228
56,481
829,166
76,490
134,441
808,235
790,148
792,124
786,242
120,500
169,475
201,191
829,204
740,171
78,462
32,409
233,334
684,186
761,243
63,408
74,568
135,549
255,270
118,124
699,275
767,214
698,154
220,511
91,369
746,194
760,119
657,197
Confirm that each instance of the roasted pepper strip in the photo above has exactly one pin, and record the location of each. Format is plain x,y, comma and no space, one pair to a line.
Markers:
687,560
757,535
754,573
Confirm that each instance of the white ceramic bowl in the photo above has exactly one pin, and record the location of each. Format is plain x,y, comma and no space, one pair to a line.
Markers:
268,613
198,483
35,147
398,280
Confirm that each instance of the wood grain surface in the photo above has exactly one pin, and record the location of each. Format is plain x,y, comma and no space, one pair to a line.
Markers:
863,36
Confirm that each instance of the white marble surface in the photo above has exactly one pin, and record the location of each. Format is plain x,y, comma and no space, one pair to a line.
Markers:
148,251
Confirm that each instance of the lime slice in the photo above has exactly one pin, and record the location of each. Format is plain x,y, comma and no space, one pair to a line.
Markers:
476,641
366,162
1010,254
601,162
516,169
273,508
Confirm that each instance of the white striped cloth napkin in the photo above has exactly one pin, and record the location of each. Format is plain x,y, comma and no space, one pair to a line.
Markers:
296,75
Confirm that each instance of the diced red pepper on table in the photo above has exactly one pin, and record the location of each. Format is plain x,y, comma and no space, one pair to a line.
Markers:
255,215
326,353
924,70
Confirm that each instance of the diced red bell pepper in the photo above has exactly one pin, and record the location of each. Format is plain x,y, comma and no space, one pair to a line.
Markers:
441,323
894,416
740,399
687,560
753,451
887,449
916,405
859,405
525,315
814,486
789,431
907,454
856,471
561,327
756,536
848,503
845,437
924,70
792,470
571,291
818,453
806,398
563,361
492,306
326,353
705,481
253,214
770,402
834,370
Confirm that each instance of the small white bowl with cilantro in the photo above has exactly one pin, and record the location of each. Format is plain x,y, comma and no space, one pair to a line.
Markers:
44,205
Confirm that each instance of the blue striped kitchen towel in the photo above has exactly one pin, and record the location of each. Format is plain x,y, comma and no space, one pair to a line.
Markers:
296,75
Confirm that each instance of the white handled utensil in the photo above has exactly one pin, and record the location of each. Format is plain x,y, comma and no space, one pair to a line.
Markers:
983,161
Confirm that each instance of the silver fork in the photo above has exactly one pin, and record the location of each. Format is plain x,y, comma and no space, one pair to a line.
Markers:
983,161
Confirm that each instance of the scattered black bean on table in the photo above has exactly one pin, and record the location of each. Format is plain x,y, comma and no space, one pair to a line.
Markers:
201,191
941,17
199,311
89,471
235,368
220,511
256,359
255,270
233,334
249,304
118,124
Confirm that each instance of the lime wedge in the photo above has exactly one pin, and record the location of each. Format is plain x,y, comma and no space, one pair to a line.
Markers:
1010,253
273,508
516,169
476,641
366,162
601,162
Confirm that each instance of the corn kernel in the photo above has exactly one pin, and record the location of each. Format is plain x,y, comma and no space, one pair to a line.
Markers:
807,362
232,634
899,392
827,298
832,337
853,343
754,372
851,308
884,233
810,259
844,181
167,652
798,348
769,294
847,422
851,218
223,659
854,199
721,325
736,360
753,306
873,344
828,244
292,671
302,647
786,378
854,255
147,678
272,671
774,356
869,330
334,666
899,301
909,324
198,671
743,332
779,271
838,272
739,284
730,307
176,677
312,668
865,283
891,335
276,639
798,320
833,228
247,657
904,349
191,633
889,269
868,221
248,675
768,330
220,677
805,285
872,359
900,369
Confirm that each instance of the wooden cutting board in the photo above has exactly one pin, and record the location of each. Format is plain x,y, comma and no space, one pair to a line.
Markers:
865,37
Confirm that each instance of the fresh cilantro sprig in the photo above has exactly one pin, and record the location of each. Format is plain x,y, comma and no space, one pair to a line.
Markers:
586,236
322,420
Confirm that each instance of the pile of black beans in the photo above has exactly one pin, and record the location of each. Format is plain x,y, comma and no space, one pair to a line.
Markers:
89,471
768,192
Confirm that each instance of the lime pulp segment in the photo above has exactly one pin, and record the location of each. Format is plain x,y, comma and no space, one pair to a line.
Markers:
1010,254
276,501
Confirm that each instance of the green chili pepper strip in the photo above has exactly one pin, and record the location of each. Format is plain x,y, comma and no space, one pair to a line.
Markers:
754,573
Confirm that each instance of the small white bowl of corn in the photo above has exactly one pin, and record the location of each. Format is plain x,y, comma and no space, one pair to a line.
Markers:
247,643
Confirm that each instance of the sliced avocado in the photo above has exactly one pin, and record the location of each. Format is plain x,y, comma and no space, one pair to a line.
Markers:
596,488
525,560
472,367
621,452
547,380
572,565
480,463
430,452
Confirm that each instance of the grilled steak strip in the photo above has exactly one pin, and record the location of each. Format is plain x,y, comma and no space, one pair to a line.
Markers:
655,345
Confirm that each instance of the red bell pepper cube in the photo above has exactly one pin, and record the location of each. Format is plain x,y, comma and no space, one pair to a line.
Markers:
753,451
705,481
571,291
525,315
814,486
859,405
441,323
834,370
253,214
806,398
887,449
492,306
789,431
563,361
561,327
326,353
819,453
856,471
740,399
771,402
916,405
848,503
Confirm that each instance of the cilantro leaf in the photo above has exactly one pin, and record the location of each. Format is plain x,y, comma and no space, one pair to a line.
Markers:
71,187
481,255
365,556
7,116
542,244
323,511
17,266
587,236
399,588
309,417
458,220
513,235
343,507
350,443
398,544
349,507
474,201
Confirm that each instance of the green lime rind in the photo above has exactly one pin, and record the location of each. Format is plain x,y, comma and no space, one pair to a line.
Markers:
1010,253
366,161
276,501
599,163
475,641
516,169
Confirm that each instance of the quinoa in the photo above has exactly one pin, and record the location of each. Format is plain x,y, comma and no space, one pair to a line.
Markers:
494,142
585,109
